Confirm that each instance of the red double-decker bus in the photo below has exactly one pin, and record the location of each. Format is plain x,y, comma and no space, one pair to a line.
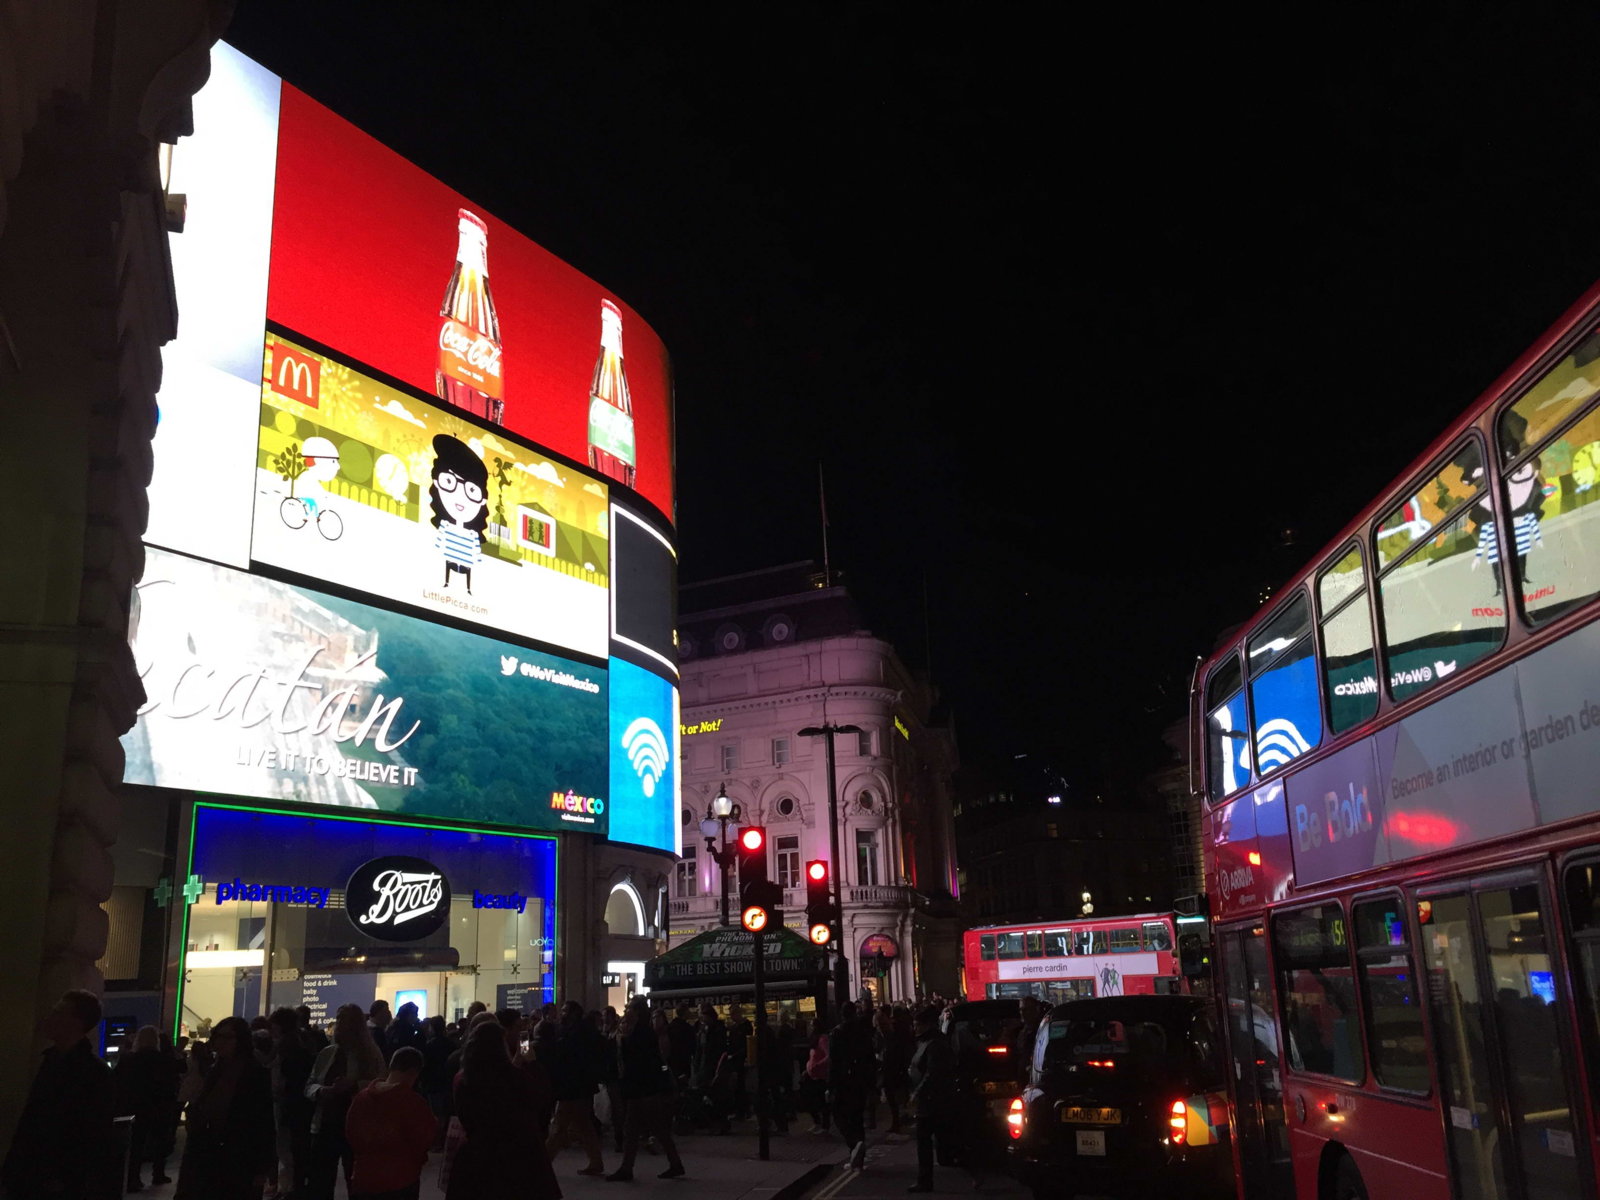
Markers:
1070,960
1399,759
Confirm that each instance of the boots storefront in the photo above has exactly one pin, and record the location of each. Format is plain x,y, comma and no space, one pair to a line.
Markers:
284,909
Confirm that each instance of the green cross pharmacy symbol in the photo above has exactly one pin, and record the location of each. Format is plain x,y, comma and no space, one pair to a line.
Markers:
194,888
162,892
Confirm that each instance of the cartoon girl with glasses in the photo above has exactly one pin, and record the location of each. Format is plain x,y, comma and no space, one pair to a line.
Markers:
460,511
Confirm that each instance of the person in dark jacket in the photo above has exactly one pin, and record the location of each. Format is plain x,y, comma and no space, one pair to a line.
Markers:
63,1138
146,1081
852,1075
503,1156
681,1036
932,1072
292,1059
230,1150
646,1091
437,1074
711,1075
406,1030
574,1064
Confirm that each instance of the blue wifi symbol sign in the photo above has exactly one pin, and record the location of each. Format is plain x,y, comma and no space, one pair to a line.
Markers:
647,751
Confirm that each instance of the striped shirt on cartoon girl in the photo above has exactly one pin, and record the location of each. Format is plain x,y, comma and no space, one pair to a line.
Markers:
458,496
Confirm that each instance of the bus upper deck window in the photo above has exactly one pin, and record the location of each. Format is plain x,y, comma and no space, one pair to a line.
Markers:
1227,742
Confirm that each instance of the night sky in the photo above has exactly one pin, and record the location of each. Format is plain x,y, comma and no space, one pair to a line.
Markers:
1099,327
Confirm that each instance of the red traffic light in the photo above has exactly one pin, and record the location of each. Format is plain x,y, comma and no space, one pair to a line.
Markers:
752,839
817,871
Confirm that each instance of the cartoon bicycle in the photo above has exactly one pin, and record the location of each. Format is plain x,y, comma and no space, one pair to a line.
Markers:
315,462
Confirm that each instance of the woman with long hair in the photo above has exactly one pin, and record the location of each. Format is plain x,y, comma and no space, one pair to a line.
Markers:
499,1107
230,1151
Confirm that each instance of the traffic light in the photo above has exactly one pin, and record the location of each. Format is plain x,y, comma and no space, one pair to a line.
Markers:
759,897
820,914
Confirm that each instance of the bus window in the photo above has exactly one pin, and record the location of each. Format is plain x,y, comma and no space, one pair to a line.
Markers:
1055,943
1555,551
986,947
1583,922
1156,936
1091,941
1010,945
1349,668
1283,687
1035,944
1565,389
1227,744
1317,984
1440,602
1122,940
1389,990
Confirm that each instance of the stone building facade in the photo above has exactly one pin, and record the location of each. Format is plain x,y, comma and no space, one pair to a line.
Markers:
764,656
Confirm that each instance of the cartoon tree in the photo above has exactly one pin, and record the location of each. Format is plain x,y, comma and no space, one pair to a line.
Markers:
290,465
502,478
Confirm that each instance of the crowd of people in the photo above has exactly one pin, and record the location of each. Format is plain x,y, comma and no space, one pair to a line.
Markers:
278,1107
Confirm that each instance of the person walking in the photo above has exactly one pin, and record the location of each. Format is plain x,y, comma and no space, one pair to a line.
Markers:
437,1075
932,1072
681,1035
146,1082
646,1092
390,1128
229,1152
575,1060
852,1074
895,1043
710,1073
63,1137
814,1082
503,1155
341,1070
292,1060
740,1031
610,1078
406,1029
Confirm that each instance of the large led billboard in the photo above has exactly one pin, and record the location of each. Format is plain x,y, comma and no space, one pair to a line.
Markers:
387,408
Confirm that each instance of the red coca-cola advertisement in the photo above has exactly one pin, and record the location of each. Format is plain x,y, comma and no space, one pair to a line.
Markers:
375,257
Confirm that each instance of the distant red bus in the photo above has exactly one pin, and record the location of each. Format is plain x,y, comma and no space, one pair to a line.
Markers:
1399,759
1072,960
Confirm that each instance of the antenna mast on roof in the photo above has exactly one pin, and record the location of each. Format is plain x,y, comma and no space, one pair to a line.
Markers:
822,500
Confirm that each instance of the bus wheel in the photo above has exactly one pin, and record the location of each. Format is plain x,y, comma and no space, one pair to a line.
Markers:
1347,1181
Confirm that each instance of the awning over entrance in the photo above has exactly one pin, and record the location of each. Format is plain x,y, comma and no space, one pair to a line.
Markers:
724,958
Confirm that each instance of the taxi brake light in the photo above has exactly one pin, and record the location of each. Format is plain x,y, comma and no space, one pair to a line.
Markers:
999,1050
1014,1118
1178,1122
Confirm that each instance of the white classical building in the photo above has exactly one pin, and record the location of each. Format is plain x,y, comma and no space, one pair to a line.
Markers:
764,656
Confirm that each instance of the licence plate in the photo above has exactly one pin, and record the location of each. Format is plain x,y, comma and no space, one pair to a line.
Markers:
991,1086
1092,1142
1092,1116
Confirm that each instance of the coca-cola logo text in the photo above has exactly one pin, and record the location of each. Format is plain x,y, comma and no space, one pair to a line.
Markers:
398,899
477,352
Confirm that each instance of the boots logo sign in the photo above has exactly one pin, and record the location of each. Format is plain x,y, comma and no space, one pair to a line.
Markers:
398,899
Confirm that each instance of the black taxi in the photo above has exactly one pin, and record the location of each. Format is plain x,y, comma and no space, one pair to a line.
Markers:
1126,1096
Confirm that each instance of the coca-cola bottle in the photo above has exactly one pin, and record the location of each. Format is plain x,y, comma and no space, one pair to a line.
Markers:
611,449
469,337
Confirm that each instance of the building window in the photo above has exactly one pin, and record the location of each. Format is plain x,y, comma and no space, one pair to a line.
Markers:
867,857
787,806
730,758
788,851
780,752
864,743
866,800
688,876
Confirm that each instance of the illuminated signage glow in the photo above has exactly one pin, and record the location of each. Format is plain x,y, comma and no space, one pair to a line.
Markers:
701,727
901,729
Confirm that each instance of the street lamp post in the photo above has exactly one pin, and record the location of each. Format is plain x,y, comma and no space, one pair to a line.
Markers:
841,976
720,813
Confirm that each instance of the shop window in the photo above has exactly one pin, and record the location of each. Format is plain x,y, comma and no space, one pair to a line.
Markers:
1439,591
1227,743
788,862
1317,983
1349,666
688,875
1283,687
1389,991
867,857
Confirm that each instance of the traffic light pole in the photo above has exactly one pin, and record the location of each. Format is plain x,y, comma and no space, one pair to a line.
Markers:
759,973
841,971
